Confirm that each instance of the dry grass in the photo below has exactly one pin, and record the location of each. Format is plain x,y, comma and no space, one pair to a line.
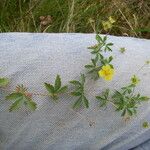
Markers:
132,16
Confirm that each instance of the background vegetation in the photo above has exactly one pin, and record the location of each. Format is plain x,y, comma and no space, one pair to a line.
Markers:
86,16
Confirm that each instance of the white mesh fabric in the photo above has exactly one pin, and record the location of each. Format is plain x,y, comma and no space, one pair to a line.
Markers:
32,59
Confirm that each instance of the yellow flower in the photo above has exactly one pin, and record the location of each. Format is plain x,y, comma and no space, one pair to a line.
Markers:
107,72
135,80
145,124
148,62
106,25
111,20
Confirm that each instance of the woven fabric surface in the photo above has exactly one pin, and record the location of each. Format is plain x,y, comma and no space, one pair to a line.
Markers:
32,59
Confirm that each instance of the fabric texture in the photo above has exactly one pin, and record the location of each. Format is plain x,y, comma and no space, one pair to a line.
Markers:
32,59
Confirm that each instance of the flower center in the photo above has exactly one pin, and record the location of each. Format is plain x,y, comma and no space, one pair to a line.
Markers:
107,72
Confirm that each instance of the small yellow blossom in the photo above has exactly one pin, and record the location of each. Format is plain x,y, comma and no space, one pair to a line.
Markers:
145,124
148,62
111,20
107,72
122,49
108,24
135,80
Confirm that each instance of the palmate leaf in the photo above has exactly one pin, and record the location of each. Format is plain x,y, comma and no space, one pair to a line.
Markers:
104,98
20,99
103,101
126,101
81,101
4,82
79,92
55,89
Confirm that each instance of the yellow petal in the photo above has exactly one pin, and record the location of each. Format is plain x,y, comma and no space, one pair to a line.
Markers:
101,73
108,78
112,71
106,67
111,20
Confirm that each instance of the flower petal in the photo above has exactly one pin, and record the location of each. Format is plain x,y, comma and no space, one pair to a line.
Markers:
108,78
101,73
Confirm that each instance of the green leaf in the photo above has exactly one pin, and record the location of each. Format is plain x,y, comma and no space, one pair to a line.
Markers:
96,58
106,93
124,112
16,105
31,104
144,98
76,93
80,92
99,98
85,102
117,94
88,66
110,44
93,61
77,104
82,78
107,48
104,98
92,71
62,89
104,39
95,51
110,59
3,82
98,38
14,96
111,66
101,56
57,83
49,88
75,82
